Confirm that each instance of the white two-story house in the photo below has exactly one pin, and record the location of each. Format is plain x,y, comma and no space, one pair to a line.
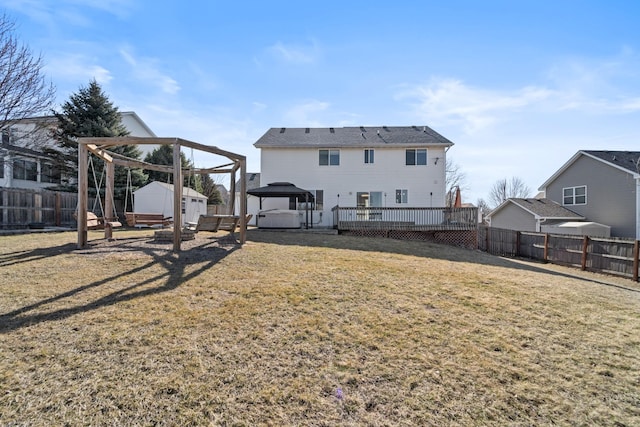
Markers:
366,166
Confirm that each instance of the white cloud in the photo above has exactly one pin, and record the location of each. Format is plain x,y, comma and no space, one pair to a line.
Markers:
594,87
77,68
68,12
147,71
450,101
295,54
305,114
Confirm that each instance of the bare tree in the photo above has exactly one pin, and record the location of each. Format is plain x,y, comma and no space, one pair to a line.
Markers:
23,89
454,178
505,188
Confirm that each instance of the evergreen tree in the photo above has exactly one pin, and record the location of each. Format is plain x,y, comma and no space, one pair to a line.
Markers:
163,155
210,189
90,113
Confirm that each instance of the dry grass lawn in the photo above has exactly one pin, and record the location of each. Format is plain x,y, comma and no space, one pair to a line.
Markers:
319,330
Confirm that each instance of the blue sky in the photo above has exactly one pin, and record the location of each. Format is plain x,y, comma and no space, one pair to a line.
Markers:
518,86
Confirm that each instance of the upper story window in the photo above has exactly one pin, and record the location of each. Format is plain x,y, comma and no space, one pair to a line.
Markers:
329,157
368,155
25,169
574,195
416,156
8,136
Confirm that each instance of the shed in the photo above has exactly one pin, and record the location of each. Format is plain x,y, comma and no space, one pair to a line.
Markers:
578,228
157,197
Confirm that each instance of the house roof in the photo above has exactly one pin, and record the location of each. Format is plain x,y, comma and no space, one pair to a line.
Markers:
252,179
540,208
405,136
627,161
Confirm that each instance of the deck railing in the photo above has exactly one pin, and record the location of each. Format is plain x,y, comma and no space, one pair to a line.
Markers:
414,219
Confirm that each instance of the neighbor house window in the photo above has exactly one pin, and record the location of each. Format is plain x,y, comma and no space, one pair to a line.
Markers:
329,157
49,174
368,156
416,157
25,169
402,196
1,168
574,195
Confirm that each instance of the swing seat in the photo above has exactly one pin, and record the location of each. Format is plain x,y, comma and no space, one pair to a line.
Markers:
94,222
134,219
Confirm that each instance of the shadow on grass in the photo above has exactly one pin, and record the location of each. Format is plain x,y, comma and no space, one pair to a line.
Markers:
428,250
210,251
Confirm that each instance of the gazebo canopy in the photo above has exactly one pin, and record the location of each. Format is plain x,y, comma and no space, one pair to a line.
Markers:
282,189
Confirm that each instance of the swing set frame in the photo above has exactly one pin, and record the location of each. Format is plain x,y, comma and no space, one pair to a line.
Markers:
100,148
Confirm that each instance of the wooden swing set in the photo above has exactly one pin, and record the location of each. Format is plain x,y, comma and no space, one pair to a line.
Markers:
99,148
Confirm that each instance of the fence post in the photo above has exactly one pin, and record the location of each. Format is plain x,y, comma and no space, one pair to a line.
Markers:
545,253
585,245
517,254
487,239
636,255
58,208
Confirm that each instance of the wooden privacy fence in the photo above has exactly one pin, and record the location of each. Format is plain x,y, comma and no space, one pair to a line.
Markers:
616,256
21,208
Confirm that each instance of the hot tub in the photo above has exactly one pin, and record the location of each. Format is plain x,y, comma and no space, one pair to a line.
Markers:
278,218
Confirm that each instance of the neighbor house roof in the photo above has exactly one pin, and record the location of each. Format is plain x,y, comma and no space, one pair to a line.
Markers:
540,209
628,161
252,179
362,136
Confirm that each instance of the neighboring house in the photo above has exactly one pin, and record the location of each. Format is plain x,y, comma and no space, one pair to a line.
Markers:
22,162
535,215
373,166
602,186
157,197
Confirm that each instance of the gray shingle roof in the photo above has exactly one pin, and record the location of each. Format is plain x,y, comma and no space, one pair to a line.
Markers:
545,208
352,137
253,180
629,160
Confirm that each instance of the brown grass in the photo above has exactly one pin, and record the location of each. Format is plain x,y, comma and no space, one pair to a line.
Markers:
296,329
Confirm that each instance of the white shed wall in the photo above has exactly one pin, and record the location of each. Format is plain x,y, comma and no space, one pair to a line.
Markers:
158,198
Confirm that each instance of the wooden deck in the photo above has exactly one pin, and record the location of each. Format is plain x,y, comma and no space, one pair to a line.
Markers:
406,219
